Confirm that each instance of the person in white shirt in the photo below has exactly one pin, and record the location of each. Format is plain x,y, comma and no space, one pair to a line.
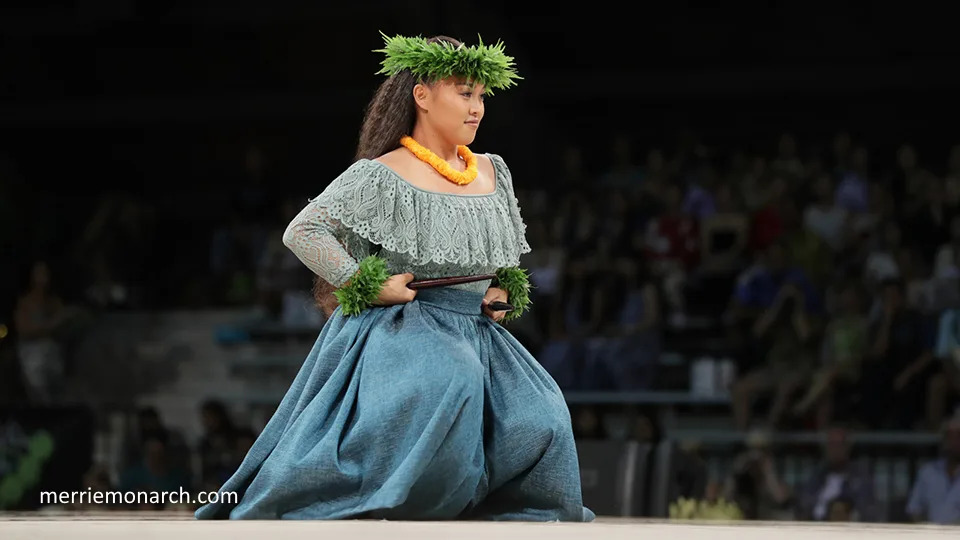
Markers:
945,264
825,217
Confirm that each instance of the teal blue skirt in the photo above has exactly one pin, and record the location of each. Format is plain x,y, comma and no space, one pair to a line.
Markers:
422,411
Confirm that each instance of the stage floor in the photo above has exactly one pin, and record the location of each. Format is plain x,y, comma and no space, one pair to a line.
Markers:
164,526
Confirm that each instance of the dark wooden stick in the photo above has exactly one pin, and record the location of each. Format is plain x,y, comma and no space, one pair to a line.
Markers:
446,281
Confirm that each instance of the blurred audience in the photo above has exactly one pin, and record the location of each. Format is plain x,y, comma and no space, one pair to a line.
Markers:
829,277
40,313
935,497
755,485
785,309
219,443
840,489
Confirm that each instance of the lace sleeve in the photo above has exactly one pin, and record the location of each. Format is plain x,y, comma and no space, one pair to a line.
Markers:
314,236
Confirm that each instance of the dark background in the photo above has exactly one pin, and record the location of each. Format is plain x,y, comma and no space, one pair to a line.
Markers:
160,101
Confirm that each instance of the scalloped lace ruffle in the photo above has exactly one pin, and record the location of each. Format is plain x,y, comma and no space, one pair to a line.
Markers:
378,205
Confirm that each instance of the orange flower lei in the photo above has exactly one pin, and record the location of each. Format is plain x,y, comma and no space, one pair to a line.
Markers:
441,166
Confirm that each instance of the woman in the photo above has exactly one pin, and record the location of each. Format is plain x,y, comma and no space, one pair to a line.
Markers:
416,404
39,314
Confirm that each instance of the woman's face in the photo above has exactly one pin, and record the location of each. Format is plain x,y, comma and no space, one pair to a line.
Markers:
452,107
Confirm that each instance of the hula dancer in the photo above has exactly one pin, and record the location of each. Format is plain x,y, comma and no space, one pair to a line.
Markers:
415,403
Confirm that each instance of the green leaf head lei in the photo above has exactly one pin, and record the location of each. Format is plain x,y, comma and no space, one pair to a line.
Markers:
438,59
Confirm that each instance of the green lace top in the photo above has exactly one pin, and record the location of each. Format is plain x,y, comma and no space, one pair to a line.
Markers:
369,209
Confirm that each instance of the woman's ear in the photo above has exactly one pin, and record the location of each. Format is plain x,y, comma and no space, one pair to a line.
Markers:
421,94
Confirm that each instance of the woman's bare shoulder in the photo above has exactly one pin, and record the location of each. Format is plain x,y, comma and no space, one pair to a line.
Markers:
394,159
485,164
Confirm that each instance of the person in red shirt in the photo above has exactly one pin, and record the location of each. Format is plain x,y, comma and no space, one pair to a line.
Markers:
673,247
673,238
767,224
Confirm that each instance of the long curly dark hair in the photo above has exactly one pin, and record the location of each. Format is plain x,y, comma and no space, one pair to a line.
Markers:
391,114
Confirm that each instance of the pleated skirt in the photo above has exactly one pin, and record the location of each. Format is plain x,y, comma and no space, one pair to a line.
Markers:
422,411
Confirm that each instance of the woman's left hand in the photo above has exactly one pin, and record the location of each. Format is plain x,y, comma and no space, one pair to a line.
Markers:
494,295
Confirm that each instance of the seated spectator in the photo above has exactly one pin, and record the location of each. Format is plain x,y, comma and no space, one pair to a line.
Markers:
806,250
628,356
218,442
786,309
105,292
935,497
581,305
929,228
150,425
853,191
692,480
924,294
700,200
906,181
584,229
546,262
947,263
866,224
97,480
787,161
844,346
755,486
753,185
673,247
767,225
899,363
574,316
155,473
560,357
842,510
838,477
587,423
39,315
814,167
723,235
12,388
945,384
624,171
881,264
824,217
243,440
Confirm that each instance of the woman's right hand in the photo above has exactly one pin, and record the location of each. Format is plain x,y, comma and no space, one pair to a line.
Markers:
395,290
